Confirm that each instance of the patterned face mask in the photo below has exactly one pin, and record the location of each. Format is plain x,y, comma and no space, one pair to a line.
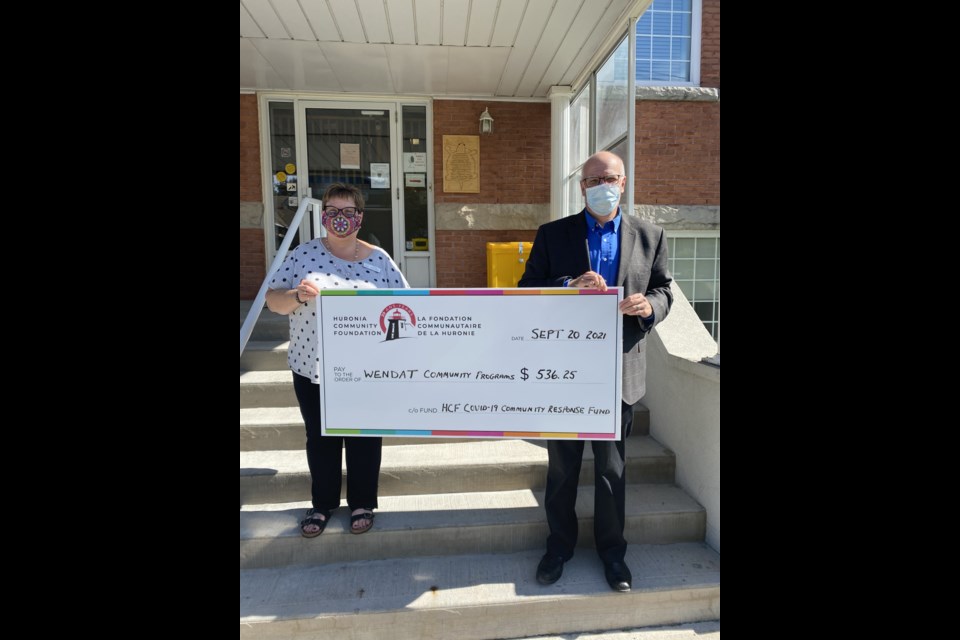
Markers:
340,225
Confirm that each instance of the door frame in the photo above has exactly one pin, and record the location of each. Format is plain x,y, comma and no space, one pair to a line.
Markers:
394,104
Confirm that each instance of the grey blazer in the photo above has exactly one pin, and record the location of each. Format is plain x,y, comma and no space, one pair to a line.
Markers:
558,253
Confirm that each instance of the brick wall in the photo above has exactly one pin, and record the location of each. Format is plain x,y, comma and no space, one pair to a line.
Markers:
514,169
249,150
514,159
462,255
677,153
678,143
252,269
252,259
710,44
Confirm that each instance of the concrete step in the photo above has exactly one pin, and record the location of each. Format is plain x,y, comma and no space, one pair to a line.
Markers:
687,631
477,596
270,325
281,428
271,428
484,465
456,523
267,389
265,355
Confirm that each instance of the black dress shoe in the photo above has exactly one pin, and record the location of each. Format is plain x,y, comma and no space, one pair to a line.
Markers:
550,569
618,576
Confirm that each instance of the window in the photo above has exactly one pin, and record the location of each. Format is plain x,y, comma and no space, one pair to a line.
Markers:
695,265
600,118
579,148
283,167
580,128
603,107
668,43
612,104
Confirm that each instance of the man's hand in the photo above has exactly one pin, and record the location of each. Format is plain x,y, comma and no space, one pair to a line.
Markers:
589,280
636,305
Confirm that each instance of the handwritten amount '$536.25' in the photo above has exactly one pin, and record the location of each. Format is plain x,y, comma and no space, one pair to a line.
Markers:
549,374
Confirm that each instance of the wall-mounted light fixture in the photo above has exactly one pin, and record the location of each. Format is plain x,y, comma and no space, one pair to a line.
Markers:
486,122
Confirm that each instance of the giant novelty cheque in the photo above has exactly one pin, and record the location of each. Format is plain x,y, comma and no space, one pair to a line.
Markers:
486,363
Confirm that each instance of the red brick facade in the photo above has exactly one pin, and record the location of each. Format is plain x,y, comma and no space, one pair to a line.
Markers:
514,159
252,262
249,150
514,168
710,44
252,258
677,153
462,255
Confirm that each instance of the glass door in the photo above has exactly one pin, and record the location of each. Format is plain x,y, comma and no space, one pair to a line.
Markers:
381,148
351,143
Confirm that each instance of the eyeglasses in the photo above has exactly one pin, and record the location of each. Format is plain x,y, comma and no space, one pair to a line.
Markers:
348,212
593,181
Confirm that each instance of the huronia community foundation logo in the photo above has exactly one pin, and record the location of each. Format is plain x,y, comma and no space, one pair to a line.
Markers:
395,319
399,321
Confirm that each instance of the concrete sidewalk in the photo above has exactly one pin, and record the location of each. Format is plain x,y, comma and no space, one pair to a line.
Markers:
691,631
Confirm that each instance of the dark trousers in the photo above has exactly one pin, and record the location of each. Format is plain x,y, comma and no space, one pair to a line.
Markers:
563,475
324,457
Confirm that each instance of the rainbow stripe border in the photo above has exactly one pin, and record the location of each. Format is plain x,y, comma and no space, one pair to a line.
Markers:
559,291
469,434
439,433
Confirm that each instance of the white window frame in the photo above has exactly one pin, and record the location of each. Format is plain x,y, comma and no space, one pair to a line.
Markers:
574,175
629,132
696,34
699,233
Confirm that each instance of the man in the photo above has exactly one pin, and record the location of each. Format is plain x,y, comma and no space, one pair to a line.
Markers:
626,252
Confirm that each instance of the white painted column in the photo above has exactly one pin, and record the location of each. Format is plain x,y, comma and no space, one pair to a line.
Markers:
560,96
631,207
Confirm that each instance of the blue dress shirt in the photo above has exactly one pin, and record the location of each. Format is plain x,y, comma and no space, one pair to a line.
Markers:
604,243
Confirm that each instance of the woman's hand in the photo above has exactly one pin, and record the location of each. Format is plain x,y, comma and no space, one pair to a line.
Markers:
307,291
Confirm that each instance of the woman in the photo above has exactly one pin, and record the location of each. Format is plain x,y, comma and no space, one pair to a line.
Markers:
339,261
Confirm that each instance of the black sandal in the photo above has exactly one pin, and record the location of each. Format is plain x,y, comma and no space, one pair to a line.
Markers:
366,514
313,518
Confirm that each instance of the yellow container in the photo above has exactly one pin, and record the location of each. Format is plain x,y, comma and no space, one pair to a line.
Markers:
506,262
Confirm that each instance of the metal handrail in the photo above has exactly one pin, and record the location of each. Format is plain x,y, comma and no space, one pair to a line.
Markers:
254,314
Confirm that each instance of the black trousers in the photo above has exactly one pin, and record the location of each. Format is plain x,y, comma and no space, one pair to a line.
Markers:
563,476
324,457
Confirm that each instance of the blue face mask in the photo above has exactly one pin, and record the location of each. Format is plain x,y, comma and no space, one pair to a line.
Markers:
603,198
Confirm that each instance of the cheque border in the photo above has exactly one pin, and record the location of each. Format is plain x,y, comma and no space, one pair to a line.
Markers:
447,433
468,292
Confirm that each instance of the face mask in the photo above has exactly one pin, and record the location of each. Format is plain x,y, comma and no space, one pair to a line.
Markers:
340,225
604,198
